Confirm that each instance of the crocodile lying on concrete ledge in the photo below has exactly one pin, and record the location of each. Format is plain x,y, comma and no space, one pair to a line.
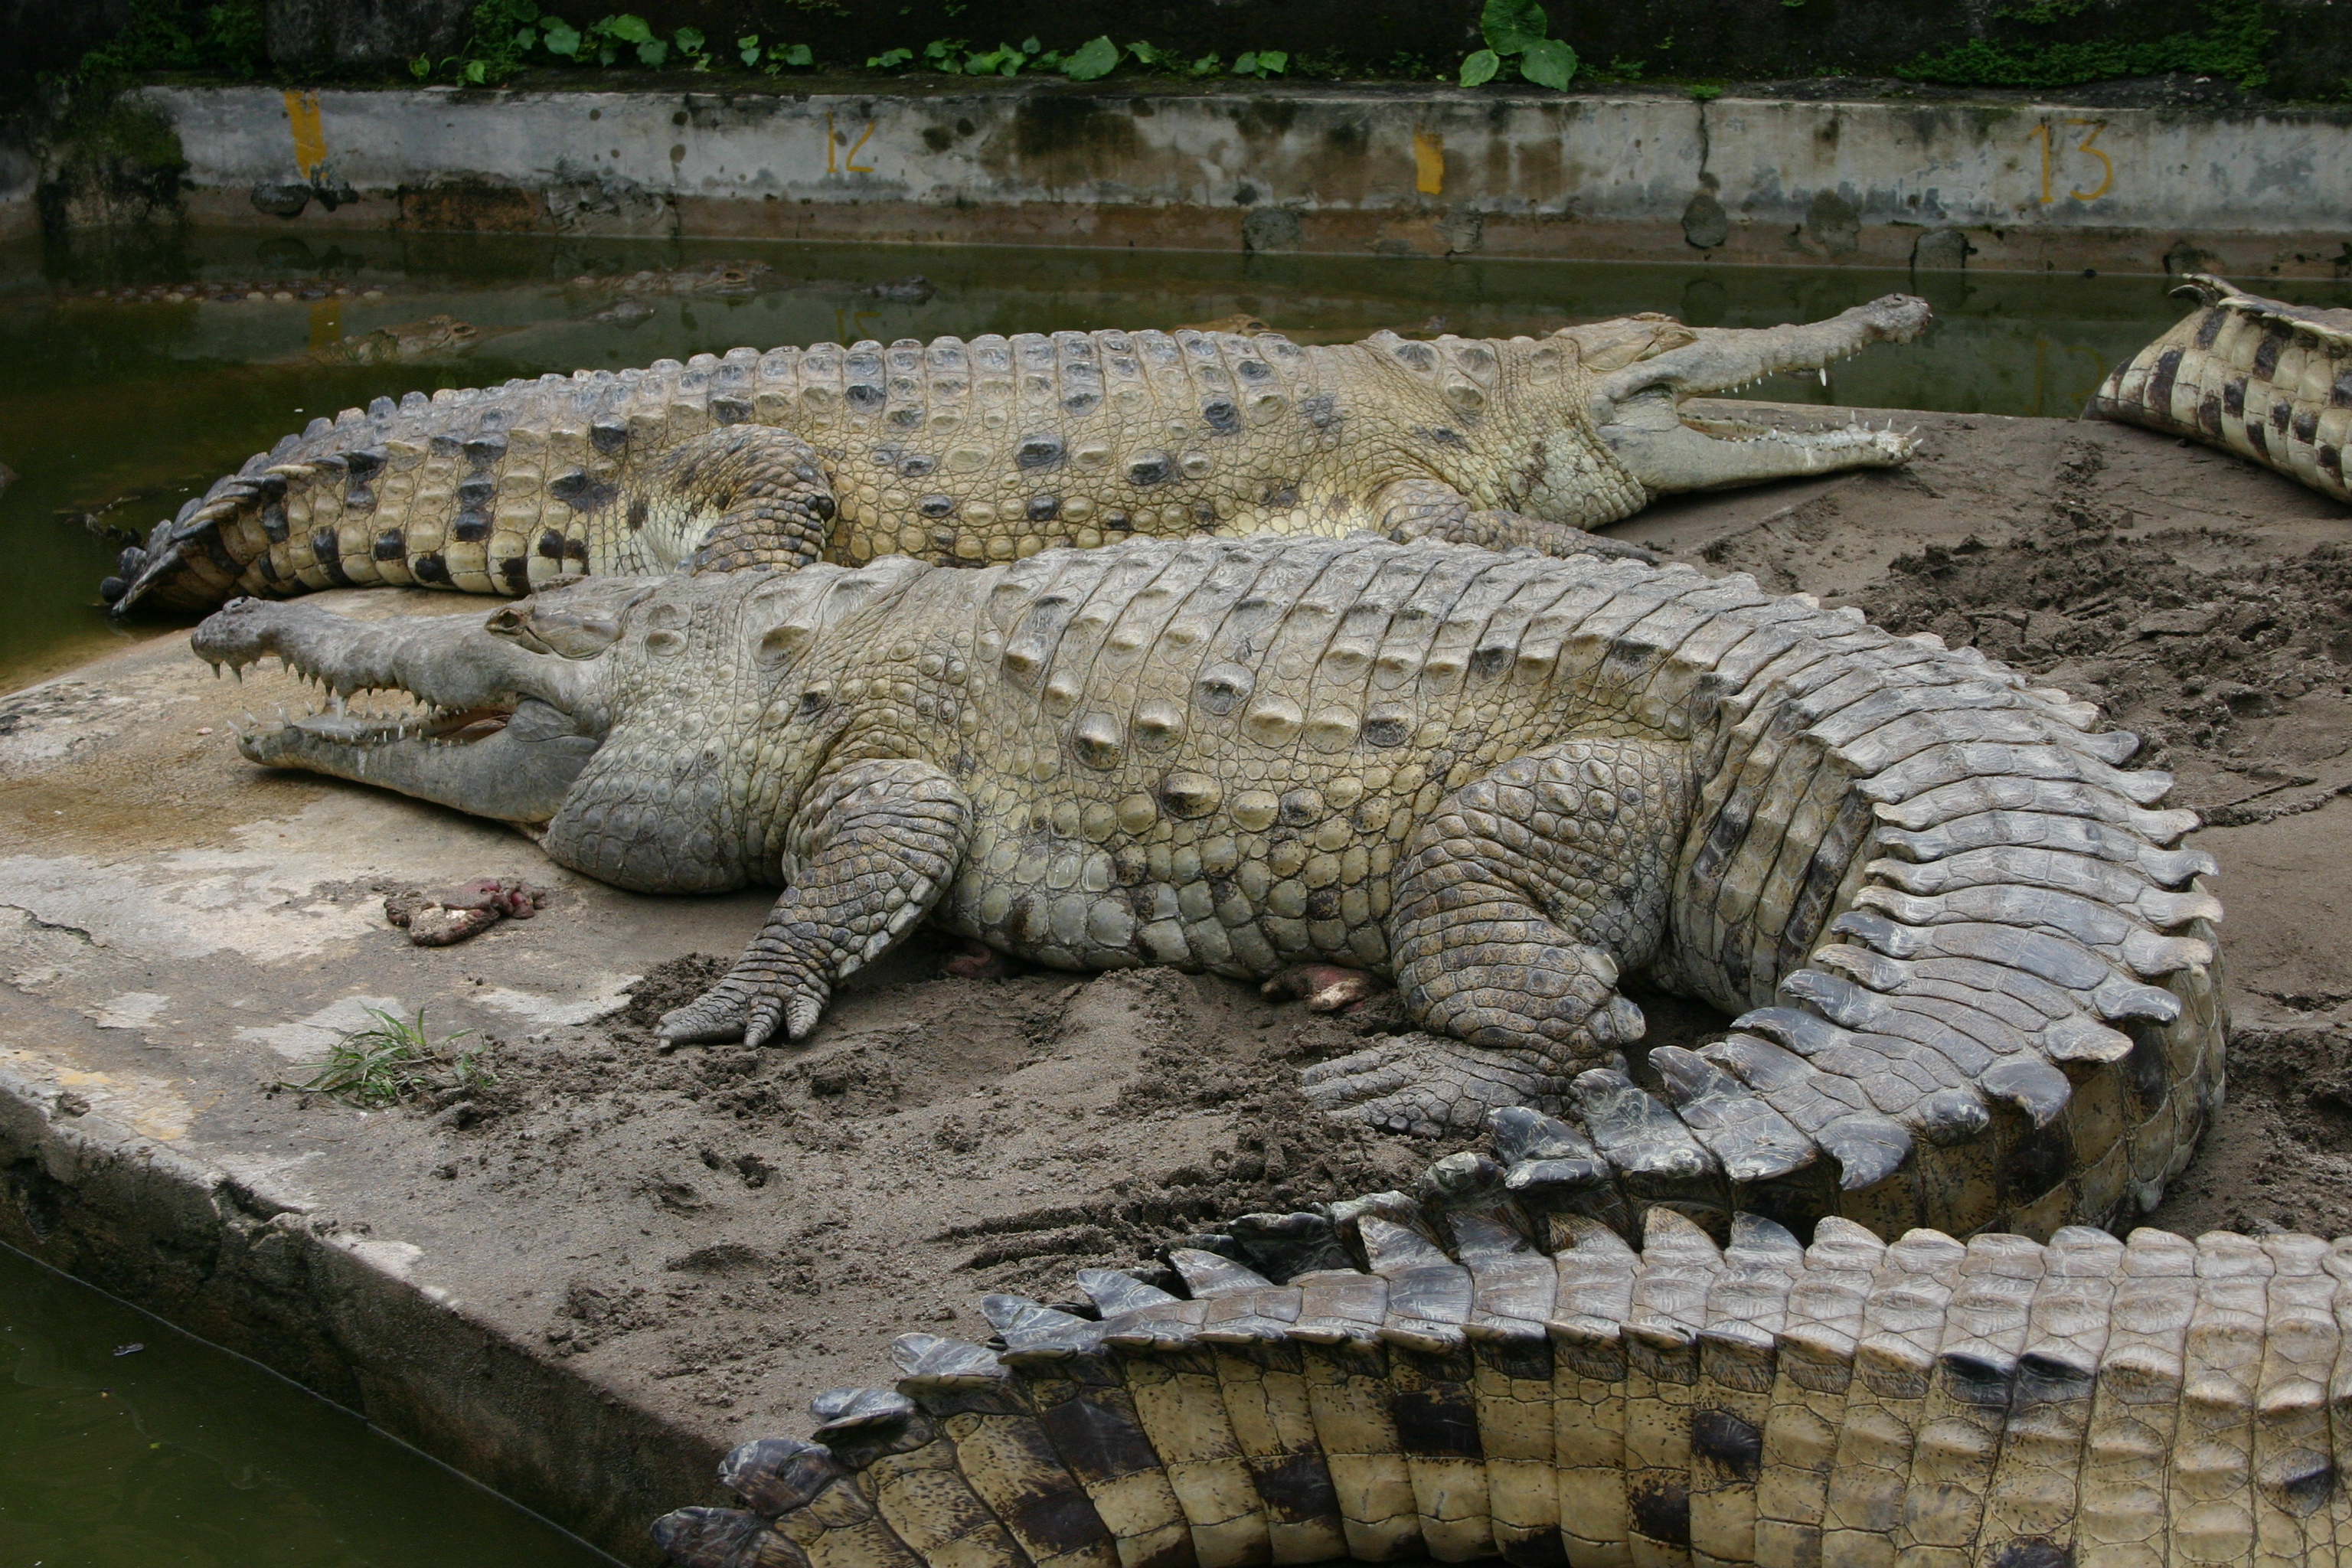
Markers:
1488,1379
965,454
2265,380
1504,780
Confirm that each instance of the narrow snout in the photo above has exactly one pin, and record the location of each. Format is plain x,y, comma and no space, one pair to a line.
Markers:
510,767
450,662
1720,359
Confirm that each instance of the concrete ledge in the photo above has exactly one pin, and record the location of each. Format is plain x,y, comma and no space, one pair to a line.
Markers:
1410,172
241,1261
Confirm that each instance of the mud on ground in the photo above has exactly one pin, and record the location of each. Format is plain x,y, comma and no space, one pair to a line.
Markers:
715,1233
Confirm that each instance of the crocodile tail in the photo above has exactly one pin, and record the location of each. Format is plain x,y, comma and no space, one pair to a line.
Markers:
1981,974
1456,1375
2265,380
293,519
483,490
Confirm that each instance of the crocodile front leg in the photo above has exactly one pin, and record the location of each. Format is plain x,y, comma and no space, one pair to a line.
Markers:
1519,900
1431,508
747,495
872,850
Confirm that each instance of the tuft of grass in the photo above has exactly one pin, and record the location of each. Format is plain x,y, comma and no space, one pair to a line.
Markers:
394,1062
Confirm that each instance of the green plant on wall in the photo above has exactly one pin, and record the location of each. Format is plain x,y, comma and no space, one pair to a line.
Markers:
749,50
507,34
1100,57
2232,45
175,35
1096,58
1520,28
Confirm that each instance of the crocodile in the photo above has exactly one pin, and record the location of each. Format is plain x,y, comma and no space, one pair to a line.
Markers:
1493,1377
2265,380
438,337
1975,983
967,453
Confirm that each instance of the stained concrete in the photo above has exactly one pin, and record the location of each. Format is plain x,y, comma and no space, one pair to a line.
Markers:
583,1288
2004,181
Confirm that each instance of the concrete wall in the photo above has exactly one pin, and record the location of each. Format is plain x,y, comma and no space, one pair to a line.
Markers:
1419,171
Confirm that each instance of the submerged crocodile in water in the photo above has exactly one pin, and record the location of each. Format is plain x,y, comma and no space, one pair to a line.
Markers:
967,453
2265,380
1978,987
1490,1377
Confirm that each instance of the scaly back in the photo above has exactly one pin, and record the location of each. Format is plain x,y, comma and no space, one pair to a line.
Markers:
1972,965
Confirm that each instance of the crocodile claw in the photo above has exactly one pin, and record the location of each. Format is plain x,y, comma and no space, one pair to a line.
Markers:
1427,1086
709,1016
752,1013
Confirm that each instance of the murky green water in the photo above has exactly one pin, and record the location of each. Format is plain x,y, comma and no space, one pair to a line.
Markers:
180,1456
112,413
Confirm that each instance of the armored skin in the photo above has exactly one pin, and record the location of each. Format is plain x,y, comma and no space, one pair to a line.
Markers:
966,454
1977,985
1491,1376
2249,375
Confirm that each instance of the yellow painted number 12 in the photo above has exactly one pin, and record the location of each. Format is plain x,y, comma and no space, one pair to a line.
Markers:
2088,147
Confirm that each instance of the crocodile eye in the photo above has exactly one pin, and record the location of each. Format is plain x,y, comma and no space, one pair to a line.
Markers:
574,637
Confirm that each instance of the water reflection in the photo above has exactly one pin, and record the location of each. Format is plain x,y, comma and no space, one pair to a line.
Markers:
124,1444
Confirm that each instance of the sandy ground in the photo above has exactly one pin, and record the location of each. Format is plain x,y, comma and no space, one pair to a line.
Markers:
713,1234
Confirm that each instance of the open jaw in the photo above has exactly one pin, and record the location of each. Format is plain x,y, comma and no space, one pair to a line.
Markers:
1639,411
515,763
493,729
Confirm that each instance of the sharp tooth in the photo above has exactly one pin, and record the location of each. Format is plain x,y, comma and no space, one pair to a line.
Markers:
1825,376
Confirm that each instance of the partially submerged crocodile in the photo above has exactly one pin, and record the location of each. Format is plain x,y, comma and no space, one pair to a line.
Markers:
1493,1378
1977,988
2265,380
967,453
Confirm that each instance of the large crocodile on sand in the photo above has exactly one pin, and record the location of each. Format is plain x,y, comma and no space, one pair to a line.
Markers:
967,453
1493,1377
1978,985
2265,380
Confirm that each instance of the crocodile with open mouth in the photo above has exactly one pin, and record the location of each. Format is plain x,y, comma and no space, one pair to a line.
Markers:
970,453
1976,983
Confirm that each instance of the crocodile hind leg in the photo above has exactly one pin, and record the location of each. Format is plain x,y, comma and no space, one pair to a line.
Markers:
746,495
1519,900
1431,508
870,854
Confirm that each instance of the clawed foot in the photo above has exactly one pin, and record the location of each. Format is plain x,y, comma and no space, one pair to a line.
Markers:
1324,987
1427,1086
751,1012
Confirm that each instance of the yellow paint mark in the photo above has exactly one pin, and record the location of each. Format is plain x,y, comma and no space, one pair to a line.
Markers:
2086,146
1429,163
850,163
309,133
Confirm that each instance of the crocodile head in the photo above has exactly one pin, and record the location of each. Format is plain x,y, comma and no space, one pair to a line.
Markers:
566,712
1647,367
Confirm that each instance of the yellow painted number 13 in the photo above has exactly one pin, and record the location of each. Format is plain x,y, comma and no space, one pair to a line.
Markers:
2087,147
